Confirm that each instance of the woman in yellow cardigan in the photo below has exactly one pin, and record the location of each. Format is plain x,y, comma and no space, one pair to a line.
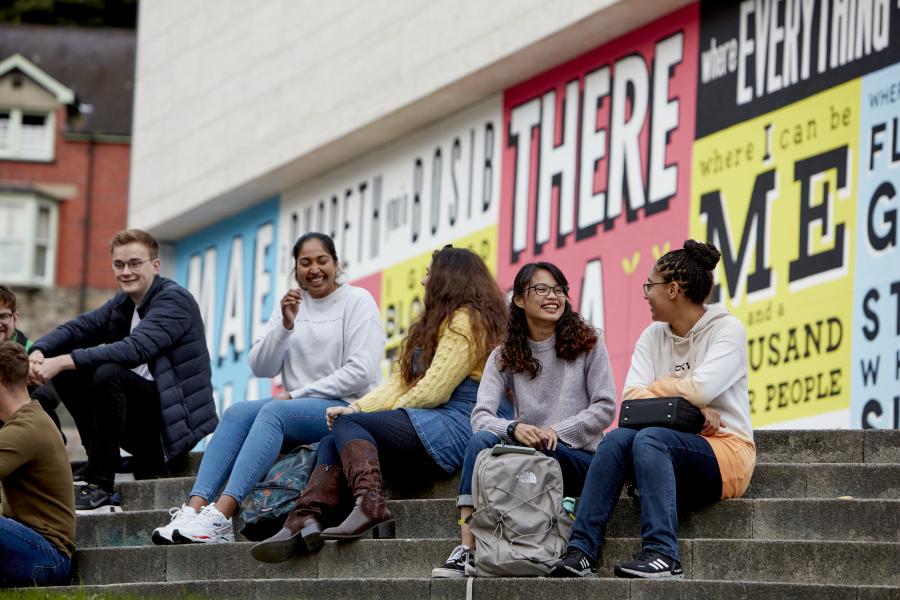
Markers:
419,418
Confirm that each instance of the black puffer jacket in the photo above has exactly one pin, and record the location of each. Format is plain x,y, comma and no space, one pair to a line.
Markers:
169,339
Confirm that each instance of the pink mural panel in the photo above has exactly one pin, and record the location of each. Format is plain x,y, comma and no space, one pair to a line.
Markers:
596,171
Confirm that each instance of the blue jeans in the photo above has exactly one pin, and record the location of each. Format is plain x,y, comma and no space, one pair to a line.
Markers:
672,471
249,438
26,558
573,463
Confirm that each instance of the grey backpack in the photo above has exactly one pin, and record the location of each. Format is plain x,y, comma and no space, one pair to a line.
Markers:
520,525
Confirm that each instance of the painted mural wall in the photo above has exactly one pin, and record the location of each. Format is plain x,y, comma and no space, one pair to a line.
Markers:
769,127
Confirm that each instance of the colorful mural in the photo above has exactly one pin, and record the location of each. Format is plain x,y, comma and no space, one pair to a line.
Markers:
769,127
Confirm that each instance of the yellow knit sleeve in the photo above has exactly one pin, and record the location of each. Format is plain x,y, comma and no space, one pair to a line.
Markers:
454,359
382,397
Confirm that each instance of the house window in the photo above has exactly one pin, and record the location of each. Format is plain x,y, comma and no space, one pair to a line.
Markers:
26,135
28,224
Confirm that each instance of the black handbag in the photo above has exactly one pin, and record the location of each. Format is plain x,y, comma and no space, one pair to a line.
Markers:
673,413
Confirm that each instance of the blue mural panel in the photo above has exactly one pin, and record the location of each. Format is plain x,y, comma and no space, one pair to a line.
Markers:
230,268
876,332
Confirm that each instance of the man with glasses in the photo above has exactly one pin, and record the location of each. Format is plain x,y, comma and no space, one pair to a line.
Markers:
134,374
9,319
9,332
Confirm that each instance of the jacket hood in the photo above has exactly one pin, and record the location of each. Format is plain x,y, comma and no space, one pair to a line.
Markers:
702,326
711,317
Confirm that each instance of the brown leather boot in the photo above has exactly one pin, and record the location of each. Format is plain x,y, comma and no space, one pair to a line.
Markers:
363,471
302,529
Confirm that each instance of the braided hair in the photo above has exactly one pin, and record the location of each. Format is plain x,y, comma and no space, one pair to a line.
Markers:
692,267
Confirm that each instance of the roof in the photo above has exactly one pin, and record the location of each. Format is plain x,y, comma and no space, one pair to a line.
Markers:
97,64
17,62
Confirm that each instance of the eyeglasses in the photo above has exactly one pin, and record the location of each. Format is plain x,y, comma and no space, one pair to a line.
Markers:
134,264
6,317
649,285
544,290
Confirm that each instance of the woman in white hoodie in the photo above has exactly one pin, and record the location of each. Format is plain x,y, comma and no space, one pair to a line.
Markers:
691,350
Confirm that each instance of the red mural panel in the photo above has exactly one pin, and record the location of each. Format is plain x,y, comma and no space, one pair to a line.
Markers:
596,171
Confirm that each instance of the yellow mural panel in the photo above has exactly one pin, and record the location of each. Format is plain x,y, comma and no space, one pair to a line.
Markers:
402,291
777,195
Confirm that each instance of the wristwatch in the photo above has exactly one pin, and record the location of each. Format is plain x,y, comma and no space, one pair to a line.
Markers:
510,429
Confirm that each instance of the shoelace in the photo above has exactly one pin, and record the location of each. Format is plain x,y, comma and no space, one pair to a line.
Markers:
175,513
206,514
648,555
88,490
457,553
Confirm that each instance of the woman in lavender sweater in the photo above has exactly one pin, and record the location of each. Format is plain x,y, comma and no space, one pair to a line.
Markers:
557,369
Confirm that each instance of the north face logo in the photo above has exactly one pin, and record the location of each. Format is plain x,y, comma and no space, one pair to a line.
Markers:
526,477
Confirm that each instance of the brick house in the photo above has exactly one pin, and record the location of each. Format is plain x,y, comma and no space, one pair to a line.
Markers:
65,142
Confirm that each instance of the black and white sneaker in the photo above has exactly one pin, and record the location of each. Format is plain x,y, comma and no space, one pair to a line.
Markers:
574,563
648,564
455,565
79,471
92,499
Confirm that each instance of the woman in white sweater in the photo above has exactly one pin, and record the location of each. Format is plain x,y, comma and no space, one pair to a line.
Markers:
326,341
691,350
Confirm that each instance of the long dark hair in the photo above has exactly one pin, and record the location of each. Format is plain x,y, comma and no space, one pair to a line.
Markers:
458,278
573,334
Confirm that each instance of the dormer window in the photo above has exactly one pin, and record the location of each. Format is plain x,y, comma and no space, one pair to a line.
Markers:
26,135
29,102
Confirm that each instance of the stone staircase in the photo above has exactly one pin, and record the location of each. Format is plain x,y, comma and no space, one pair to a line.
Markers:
821,520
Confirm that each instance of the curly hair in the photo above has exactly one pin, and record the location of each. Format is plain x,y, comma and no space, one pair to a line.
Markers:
573,335
692,267
458,278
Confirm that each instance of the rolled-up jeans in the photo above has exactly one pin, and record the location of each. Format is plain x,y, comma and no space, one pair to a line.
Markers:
27,558
249,438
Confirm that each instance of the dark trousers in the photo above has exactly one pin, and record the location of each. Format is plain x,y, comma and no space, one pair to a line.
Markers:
114,408
574,464
399,446
674,472
46,396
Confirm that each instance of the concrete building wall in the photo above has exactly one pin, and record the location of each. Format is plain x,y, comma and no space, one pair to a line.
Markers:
768,128
237,100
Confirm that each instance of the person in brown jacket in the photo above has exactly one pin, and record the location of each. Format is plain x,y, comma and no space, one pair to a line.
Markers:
37,526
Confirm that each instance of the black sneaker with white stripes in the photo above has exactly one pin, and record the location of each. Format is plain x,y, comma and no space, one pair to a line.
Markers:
456,563
574,563
648,564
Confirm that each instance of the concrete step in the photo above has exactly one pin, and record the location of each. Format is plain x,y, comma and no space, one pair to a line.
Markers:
774,519
770,480
787,445
780,446
483,589
150,494
805,562
825,480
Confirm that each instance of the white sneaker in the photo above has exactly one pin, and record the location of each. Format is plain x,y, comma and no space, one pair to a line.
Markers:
162,536
209,527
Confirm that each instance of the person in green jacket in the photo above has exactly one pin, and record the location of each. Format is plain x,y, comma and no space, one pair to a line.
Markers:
9,332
